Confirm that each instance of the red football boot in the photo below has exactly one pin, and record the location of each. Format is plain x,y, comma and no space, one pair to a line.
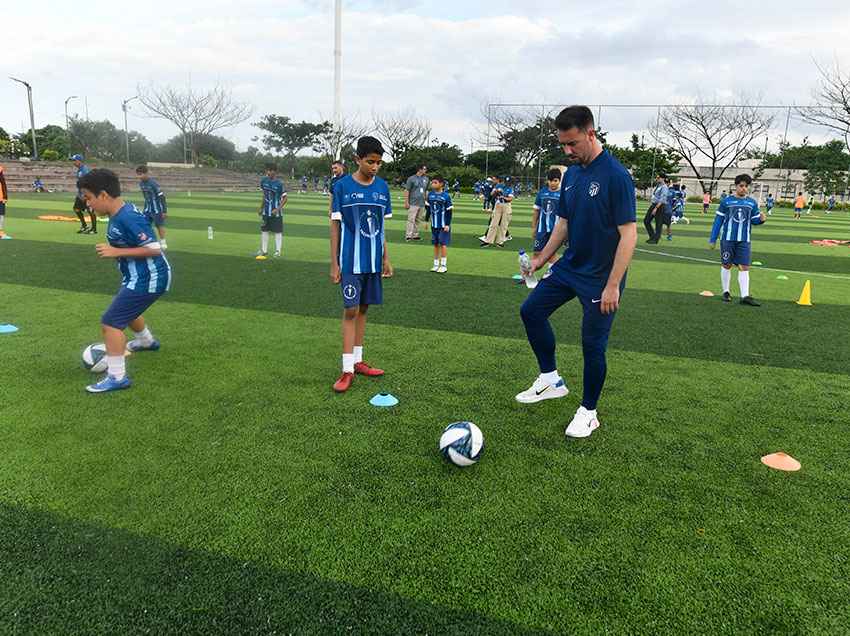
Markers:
364,369
344,383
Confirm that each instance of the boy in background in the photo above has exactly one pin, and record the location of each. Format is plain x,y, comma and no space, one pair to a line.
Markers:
769,203
546,213
79,201
799,204
156,209
440,210
271,211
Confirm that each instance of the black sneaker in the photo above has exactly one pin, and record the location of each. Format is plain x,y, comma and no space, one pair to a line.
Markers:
92,231
727,297
749,300
83,230
651,241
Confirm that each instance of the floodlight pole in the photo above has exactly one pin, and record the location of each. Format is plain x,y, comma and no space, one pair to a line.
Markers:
68,122
338,75
782,154
126,132
32,116
487,148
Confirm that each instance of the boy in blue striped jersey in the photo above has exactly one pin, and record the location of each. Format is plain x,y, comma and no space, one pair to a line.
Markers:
156,209
359,258
546,213
732,224
439,205
145,274
271,211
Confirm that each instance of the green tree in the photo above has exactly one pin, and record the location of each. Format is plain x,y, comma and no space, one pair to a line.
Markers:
103,140
499,162
645,163
3,134
289,137
49,137
211,146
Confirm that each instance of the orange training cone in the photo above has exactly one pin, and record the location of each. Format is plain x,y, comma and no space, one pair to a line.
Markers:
806,296
781,461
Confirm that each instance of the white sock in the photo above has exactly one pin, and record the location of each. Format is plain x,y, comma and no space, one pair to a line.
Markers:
436,262
115,367
144,335
264,242
2,220
744,283
348,363
550,378
358,354
278,241
726,278
443,261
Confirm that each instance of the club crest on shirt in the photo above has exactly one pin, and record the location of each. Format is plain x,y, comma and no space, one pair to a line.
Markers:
740,215
370,224
594,189
143,236
349,292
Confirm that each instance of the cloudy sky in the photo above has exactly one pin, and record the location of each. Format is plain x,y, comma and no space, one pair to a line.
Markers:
445,59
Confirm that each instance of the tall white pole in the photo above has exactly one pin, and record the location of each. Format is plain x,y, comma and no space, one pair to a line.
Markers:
338,74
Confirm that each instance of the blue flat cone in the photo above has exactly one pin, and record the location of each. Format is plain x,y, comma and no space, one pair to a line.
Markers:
383,399
8,328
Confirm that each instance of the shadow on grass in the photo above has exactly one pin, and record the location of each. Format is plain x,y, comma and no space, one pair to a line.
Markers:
664,323
70,577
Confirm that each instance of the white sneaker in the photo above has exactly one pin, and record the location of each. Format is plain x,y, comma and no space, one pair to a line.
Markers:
540,391
583,424
442,269
163,244
436,268
277,254
483,238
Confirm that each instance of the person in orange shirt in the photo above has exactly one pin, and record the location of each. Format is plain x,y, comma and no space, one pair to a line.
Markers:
706,201
799,204
4,194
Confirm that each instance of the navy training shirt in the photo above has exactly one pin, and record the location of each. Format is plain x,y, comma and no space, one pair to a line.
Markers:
595,200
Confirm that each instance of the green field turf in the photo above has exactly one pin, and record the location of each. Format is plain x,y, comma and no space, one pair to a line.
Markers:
230,491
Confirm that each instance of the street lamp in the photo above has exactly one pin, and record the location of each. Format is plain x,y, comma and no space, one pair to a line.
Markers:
126,133
67,122
32,116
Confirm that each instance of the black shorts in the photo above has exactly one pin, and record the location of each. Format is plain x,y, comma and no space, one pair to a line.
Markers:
272,224
2,208
80,205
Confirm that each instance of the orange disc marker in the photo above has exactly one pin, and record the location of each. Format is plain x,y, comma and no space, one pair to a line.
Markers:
706,293
781,461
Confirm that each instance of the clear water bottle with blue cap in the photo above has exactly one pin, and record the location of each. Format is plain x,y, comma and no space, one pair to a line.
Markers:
525,270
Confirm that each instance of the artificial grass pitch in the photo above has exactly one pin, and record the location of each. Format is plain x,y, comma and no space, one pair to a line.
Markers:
230,491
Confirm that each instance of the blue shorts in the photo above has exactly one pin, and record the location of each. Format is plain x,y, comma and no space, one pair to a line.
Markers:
540,240
735,252
126,307
157,219
361,289
440,237
2,208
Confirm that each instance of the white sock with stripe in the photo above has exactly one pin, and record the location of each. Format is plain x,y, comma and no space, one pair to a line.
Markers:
744,283
726,278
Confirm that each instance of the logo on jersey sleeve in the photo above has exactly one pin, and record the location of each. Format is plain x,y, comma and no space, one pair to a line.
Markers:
594,189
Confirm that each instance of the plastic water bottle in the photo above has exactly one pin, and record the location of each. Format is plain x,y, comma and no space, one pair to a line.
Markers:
210,232
525,270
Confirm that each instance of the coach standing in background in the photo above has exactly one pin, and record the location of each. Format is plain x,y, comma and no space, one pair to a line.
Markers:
414,202
598,204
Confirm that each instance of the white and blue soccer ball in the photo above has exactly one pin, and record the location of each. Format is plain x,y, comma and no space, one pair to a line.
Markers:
462,443
94,357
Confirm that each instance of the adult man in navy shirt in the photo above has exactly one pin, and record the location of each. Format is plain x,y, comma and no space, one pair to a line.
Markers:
598,206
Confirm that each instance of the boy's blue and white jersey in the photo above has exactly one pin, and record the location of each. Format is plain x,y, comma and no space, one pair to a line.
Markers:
361,211
154,197
547,204
273,193
502,192
734,218
440,205
131,228
677,202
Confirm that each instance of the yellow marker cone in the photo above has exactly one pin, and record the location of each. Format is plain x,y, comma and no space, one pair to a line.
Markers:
806,296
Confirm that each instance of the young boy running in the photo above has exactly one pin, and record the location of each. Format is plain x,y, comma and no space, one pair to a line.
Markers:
440,209
769,203
732,224
145,274
156,209
359,258
546,213
274,198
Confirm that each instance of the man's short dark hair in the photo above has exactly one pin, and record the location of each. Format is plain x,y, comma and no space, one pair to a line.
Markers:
339,163
553,174
437,177
270,167
743,178
369,146
421,167
580,117
100,180
141,169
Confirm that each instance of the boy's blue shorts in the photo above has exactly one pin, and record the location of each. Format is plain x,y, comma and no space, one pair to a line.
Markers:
126,307
440,237
361,289
735,252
